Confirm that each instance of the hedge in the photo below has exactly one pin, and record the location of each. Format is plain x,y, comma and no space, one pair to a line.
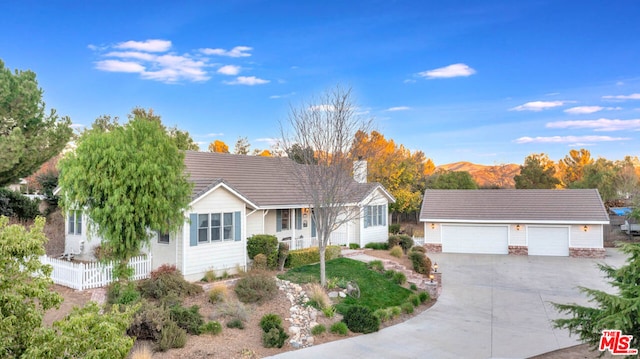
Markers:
301,257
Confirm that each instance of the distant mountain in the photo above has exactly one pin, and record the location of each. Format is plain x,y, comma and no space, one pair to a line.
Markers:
487,176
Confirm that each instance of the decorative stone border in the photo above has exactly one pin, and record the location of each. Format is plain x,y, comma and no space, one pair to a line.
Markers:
519,250
433,247
587,252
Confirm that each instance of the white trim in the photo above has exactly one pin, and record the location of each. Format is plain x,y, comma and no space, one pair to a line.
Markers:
511,221
222,184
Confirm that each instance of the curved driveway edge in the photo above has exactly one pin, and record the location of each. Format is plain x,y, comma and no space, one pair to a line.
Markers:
492,306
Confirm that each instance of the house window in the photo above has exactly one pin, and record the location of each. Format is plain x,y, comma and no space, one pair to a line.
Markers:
216,225
203,228
375,216
282,220
227,221
163,238
75,222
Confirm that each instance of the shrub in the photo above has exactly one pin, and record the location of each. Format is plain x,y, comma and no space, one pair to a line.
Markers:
172,336
218,293
301,257
118,294
421,264
399,278
270,321
394,228
420,249
393,241
141,352
274,338
395,311
235,323
424,296
209,276
354,246
165,280
389,273
406,243
148,322
407,307
360,319
414,299
15,204
339,328
413,287
396,251
376,265
263,244
329,311
188,319
318,329
377,245
260,262
231,309
256,288
283,253
383,314
332,282
214,328
319,296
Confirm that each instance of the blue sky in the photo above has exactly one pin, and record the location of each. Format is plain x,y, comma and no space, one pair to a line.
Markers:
481,81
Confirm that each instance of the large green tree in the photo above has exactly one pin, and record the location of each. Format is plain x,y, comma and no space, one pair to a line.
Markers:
614,311
29,136
537,172
24,286
128,180
600,174
451,180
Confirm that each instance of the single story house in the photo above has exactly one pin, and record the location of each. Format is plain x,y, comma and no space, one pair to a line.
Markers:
237,196
515,221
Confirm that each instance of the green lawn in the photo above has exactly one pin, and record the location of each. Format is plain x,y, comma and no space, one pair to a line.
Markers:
376,291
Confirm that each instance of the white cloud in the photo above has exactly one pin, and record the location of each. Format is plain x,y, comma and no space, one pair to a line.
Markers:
247,80
619,83
145,56
149,45
537,106
409,81
569,139
230,70
633,96
454,70
273,97
602,124
214,134
398,108
584,110
238,51
269,140
76,125
119,66
153,60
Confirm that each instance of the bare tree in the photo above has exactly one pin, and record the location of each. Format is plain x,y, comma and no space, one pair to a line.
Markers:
326,125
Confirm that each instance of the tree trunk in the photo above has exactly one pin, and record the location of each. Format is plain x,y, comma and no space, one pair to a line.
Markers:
323,267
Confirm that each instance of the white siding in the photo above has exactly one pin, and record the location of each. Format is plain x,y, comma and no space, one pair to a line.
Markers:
592,238
377,233
517,237
163,253
254,223
432,233
83,244
218,256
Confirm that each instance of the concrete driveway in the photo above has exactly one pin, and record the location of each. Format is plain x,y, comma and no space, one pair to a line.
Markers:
492,306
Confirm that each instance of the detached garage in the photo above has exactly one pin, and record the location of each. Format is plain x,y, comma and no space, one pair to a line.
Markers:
508,221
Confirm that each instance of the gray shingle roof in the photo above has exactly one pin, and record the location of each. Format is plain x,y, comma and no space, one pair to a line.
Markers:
265,181
513,205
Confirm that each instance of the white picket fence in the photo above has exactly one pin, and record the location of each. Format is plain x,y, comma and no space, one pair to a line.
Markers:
82,276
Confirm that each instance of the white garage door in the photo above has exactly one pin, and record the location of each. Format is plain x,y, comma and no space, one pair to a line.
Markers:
548,241
475,239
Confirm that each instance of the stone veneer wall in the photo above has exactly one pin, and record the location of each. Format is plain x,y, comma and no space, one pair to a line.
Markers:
519,250
587,252
433,247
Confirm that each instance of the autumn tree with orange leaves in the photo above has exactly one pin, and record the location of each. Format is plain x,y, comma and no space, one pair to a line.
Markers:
218,146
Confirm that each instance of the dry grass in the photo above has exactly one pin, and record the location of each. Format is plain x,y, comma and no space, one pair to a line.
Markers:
317,294
396,251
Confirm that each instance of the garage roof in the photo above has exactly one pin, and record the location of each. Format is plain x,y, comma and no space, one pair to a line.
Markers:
514,205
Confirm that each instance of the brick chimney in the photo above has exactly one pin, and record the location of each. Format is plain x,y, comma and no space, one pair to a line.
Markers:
360,171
